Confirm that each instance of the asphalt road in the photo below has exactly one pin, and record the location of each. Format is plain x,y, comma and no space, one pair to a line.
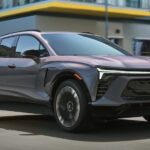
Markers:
19,131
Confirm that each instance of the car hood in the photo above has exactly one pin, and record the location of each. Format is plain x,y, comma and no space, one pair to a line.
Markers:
120,62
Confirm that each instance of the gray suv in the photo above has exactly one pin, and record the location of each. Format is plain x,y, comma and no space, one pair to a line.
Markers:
77,76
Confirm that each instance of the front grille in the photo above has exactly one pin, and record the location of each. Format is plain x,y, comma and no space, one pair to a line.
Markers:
103,86
137,89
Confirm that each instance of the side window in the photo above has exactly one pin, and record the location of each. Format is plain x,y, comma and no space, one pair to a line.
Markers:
30,46
6,47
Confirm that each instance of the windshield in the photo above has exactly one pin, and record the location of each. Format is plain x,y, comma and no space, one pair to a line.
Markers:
82,45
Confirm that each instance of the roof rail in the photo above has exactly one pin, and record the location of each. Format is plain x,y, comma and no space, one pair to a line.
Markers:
22,31
87,32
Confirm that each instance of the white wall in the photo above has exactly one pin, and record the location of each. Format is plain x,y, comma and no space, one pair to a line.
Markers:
14,25
134,30
46,23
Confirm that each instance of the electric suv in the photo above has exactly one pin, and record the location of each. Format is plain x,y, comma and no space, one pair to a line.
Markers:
78,76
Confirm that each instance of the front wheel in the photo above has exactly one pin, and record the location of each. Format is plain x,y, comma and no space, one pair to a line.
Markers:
70,106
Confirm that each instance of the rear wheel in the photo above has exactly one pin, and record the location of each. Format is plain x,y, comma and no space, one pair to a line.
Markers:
70,106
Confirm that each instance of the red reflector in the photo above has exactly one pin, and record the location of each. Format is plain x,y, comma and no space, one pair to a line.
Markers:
77,76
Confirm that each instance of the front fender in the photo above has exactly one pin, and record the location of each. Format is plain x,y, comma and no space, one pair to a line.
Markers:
88,74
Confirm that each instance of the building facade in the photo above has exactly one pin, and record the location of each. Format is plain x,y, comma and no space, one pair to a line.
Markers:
129,20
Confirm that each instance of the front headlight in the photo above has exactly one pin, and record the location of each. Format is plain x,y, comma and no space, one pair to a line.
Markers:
126,72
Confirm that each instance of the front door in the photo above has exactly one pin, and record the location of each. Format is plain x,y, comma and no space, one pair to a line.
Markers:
19,76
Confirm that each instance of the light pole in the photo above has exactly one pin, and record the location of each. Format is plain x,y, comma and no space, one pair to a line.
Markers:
106,19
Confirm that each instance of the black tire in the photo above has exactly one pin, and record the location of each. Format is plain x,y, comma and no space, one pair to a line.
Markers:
71,106
147,118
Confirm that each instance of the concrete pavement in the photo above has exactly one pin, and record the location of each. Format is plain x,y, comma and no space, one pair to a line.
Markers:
21,131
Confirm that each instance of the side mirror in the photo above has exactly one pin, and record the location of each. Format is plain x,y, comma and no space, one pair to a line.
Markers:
33,54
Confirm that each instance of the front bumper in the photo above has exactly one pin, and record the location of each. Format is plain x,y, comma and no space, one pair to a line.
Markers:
128,110
112,104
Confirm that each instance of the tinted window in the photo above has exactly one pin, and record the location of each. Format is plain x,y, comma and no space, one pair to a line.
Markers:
6,47
141,47
28,45
82,44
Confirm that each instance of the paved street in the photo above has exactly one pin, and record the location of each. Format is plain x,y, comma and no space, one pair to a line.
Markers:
19,131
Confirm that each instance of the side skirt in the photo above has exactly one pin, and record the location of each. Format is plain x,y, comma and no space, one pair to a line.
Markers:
26,107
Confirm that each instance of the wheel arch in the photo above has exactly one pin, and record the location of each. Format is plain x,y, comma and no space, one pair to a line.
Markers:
68,75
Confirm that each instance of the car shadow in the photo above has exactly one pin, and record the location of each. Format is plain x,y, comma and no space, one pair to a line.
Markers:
118,130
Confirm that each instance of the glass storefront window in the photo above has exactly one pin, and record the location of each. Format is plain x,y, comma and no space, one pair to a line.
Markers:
112,2
136,3
127,3
7,3
16,2
13,3
133,3
144,4
1,4
142,47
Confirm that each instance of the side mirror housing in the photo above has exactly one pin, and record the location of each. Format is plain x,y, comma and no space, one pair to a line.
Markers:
33,54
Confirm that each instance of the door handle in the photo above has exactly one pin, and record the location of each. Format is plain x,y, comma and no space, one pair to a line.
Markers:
12,66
